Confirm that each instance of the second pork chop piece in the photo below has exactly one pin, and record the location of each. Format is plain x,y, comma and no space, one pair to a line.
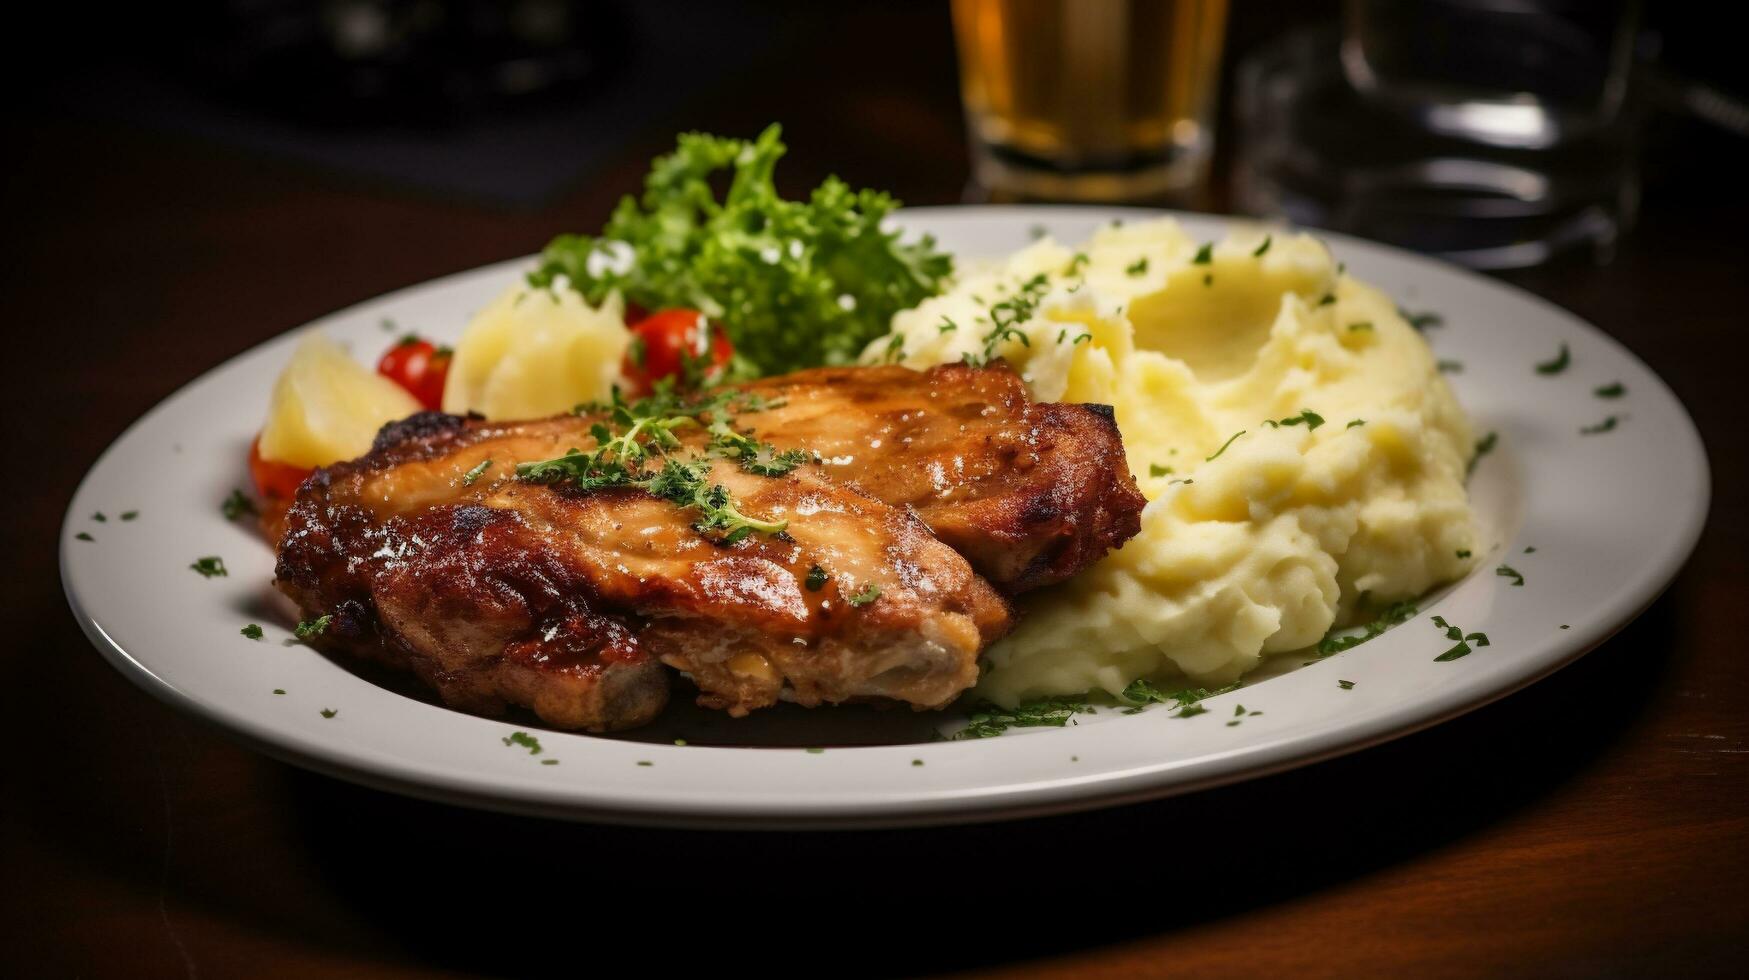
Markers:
431,554
1030,492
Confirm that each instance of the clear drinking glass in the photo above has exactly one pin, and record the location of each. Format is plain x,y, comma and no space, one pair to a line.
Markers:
1093,100
1492,133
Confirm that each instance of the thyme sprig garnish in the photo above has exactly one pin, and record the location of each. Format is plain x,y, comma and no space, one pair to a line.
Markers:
636,446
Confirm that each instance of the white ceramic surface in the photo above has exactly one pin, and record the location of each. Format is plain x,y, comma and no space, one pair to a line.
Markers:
1611,516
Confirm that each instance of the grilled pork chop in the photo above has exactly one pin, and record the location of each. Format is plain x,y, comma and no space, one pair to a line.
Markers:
498,591
1029,492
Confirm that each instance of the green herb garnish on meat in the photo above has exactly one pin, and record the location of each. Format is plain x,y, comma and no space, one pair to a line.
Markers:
636,446
795,283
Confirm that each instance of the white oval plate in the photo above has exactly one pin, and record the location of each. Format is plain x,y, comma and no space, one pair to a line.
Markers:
1611,516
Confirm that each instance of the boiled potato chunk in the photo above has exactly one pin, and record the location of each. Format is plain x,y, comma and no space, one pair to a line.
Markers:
327,407
536,352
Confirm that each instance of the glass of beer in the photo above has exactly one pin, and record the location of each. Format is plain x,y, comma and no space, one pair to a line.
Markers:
1090,100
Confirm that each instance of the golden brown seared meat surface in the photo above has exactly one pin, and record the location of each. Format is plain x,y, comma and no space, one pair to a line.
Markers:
1029,492
500,592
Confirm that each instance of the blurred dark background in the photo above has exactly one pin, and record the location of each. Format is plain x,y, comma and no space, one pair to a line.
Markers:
182,181
517,103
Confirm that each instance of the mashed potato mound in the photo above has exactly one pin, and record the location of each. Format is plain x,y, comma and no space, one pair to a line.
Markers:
1297,444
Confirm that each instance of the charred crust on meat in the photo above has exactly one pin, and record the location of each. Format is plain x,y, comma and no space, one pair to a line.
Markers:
354,622
418,427
470,519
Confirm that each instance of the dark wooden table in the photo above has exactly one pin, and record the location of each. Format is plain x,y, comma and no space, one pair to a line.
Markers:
1596,824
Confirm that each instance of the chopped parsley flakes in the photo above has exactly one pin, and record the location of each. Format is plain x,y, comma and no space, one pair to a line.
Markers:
252,631
525,740
313,627
1607,425
1507,571
1484,446
212,566
1465,643
82,536
330,712
1155,469
1395,614
1006,317
1141,693
1308,418
236,505
1138,268
1263,248
1205,254
1450,367
1345,685
816,579
470,476
869,593
128,515
1421,321
1224,445
989,719
1558,364
1614,389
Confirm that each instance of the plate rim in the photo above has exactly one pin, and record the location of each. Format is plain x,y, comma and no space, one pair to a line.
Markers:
1016,799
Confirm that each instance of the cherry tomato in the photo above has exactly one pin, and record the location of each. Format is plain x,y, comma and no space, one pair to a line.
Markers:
679,344
418,366
274,480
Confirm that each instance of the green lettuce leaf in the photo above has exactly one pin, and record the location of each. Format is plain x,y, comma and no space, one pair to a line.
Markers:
795,283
